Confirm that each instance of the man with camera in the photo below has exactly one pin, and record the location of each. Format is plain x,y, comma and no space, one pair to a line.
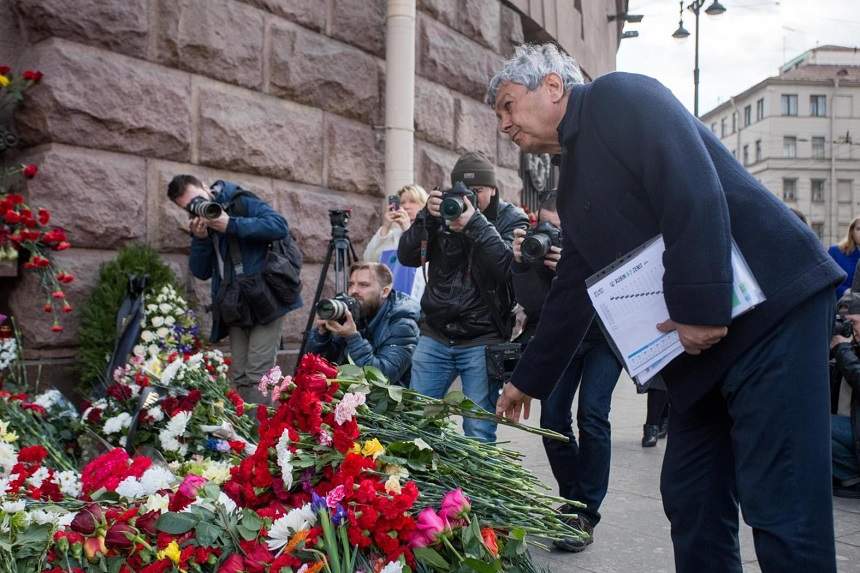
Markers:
232,233
581,469
373,325
465,234
845,398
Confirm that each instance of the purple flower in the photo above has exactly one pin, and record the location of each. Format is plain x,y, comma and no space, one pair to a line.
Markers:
339,516
318,503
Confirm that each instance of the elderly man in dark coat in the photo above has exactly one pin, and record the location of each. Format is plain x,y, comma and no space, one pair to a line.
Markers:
750,400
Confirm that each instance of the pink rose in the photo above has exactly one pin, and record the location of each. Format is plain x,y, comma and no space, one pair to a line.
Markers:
455,505
428,528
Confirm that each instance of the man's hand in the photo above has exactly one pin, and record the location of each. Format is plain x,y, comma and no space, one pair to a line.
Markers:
322,328
344,330
693,337
460,222
198,228
552,258
519,236
512,402
219,224
434,202
837,340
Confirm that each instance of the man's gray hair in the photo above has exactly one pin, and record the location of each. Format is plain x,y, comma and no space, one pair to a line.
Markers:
530,64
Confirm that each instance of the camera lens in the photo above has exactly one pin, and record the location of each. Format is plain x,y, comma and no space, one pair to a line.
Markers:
210,210
331,309
536,246
452,207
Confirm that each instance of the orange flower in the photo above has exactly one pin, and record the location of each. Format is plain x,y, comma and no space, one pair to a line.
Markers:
296,539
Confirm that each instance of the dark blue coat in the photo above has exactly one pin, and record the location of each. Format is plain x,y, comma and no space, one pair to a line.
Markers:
635,164
255,231
387,343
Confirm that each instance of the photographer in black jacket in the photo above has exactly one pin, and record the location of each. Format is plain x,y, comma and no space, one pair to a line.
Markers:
468,299
845,398
581,469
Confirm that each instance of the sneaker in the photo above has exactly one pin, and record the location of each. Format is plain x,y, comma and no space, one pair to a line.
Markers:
580,522
650,432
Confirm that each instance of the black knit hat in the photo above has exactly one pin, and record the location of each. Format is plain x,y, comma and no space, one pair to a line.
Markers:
473,170
849,303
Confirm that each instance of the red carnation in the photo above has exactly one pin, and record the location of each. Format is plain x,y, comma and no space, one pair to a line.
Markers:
48,307
62,246
44,216
119,392
58,294
32,454
56,327
160,566
32,75
29,171
12,217
67,308
35,408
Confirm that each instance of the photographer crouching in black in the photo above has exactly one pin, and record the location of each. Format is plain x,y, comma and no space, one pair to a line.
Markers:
373,325
845,398
581,469
237,241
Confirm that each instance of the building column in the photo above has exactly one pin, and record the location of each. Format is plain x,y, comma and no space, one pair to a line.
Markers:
399,94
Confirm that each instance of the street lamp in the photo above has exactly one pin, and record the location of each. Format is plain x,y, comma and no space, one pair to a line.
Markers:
715,9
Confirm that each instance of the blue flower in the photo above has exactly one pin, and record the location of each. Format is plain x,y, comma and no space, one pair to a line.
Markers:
339,516
318,503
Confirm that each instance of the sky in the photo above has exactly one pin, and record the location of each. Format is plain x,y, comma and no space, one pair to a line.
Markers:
737,49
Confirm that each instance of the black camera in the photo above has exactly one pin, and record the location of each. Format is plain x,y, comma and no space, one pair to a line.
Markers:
203,207
501,359
843,327
335,308
538,241
453,201
339,217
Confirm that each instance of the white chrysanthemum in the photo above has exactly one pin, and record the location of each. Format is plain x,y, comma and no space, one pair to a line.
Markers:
157,502
130,488
8,457
48,399
284,458
56,517
170,371
69,482
217,472
168,442
195,360
176,425
39,476
4,485
156,478
283,528
156,413
12,506
393,567
117,423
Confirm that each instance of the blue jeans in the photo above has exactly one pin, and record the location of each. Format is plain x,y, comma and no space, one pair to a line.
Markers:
434,367
582,469
846,467
761,440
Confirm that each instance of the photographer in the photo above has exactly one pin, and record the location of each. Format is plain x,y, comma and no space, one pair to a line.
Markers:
581,469
468,297
845,391
386,331
231,249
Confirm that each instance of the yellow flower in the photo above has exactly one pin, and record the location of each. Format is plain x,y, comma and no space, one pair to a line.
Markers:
356,449
5,434
372,448
4,81
172,552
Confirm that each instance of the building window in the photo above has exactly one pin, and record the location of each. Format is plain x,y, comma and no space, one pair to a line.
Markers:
789,104
759,109
817,186
758,150
819,230
734,122
747,115
818,105
843,187
818,148
746,154
789,147
789,189
723,127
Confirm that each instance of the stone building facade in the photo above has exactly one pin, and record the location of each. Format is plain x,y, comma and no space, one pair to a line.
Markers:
283,96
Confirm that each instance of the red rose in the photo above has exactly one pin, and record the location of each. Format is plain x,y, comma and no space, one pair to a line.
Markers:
67,308
119,536
233,564
160,566
257,556
4,70
29,171
48,307
119,392
58,294
32,75
87,519
44,216
12,217
147,521
56,327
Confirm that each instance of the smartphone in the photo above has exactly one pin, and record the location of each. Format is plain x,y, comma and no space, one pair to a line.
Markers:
393,202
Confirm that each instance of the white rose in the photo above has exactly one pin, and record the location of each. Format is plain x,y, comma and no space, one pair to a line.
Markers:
147,336
153,350
139,350
162,332
169,321
157,321
165,308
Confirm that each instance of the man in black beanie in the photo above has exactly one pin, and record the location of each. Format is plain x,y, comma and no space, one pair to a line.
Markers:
468,300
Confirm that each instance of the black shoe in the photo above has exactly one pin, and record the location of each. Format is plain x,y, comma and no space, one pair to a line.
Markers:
575,544
851,491
650,433
664,428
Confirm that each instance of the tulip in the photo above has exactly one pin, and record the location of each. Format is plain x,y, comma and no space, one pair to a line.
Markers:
87,519
120,536
455,505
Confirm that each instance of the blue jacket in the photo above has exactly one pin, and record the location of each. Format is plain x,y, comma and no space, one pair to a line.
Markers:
635,164
386,343
848,264
255,231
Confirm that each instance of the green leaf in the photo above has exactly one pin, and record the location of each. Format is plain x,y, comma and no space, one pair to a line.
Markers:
176,523
455,398
431,557
114,564
246,533
396,393
211,491
250,520
207,534
482,566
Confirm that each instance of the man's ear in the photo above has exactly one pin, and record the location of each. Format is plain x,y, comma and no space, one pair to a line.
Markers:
386,291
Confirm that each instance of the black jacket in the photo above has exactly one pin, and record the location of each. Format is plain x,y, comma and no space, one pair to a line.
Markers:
461,266
847,367
636,164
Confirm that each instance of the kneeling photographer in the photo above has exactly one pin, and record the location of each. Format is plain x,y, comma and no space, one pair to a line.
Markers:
845,396
244,246
465,234
581,469
373,324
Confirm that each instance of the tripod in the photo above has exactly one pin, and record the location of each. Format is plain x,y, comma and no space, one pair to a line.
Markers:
341,250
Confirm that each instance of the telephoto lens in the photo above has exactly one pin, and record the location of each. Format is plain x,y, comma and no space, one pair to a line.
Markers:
331,309
202,207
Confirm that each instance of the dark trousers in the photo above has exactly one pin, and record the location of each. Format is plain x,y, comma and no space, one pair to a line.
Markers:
760,440
582,469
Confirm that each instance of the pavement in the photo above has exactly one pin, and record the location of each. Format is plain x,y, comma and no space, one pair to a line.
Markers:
633,534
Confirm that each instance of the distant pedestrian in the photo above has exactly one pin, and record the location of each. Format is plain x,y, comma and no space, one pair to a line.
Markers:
846,253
